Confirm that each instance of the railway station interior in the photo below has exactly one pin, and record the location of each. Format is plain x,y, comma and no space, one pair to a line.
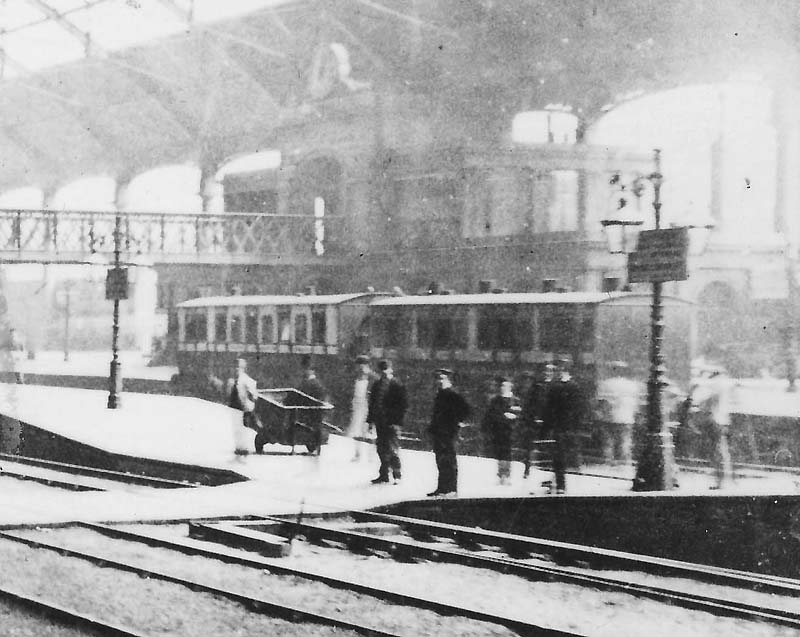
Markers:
226,228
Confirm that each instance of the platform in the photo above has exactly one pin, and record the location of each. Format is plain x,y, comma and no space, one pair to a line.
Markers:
179,432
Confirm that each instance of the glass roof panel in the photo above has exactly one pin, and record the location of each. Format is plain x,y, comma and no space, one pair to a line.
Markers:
117,24
34,38
43,45
17,13
66,5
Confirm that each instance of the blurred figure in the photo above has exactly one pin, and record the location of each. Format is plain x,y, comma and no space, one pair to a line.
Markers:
531,417
242,395
562,413
450,411
622,396
387,410
16,348
498,426
359,409
312,386
712,400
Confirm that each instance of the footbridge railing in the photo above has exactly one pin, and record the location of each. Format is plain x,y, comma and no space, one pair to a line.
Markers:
66,236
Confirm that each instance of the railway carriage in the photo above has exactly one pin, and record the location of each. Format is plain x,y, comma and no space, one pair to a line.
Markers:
482,336
273,333
478,335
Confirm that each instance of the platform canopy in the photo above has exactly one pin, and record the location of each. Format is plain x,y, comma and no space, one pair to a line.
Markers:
119,86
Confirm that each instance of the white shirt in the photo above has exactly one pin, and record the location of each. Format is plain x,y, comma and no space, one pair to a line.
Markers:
247,390
623,396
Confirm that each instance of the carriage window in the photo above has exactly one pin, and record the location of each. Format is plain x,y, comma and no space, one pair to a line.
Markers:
251,325
221,326
506,334
389,331
301,329
284,325
196,327
318,326
236,328
556,329
504,328
449,330
267,329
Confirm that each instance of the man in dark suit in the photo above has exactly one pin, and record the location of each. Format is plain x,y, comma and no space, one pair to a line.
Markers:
562,413
450,410
387,409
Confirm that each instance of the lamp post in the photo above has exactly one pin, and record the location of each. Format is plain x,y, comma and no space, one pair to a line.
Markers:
116,289
655,466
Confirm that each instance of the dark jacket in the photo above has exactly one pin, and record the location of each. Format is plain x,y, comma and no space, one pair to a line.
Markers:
563,408
449,409
497,426
314,388
387,403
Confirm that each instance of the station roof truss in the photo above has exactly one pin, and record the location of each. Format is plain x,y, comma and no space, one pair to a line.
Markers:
115,87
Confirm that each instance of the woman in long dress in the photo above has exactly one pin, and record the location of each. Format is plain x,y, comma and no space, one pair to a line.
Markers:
358,427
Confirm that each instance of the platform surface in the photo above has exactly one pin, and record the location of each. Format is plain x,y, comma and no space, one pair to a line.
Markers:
194,431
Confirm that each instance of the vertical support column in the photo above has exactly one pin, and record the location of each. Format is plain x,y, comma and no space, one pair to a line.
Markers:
785,119
654,470
115,372
115,367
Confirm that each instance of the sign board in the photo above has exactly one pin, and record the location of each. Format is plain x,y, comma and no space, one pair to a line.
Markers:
660,255
117,284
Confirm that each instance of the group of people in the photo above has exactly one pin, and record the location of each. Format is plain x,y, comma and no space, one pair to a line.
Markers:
547,412
545,416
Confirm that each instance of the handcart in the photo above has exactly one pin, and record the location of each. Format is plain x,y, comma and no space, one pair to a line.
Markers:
288,416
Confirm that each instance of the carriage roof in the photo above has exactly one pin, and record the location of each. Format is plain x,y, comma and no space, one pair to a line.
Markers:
521,298
270,300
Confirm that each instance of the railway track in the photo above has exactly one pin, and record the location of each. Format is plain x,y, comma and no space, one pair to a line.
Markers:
62,615
471,551
72,476
260,604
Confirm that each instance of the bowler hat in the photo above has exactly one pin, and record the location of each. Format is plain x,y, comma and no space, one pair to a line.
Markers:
385,364
443,371
362,360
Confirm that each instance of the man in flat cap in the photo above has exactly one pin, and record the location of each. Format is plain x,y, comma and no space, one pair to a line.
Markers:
387,409
450,410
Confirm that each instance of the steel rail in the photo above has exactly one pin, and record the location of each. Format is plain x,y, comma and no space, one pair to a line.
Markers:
67,616
594,555
50,482
274,566
408,549
95,472
255,604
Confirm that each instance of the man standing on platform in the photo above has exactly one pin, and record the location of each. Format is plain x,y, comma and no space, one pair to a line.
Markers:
498,426
312,386
450,410
387,409
243,394
563,411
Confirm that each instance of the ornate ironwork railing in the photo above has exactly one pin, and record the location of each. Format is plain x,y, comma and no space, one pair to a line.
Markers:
74,235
